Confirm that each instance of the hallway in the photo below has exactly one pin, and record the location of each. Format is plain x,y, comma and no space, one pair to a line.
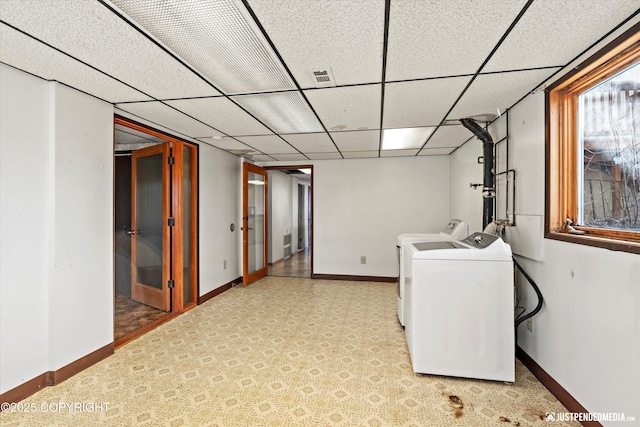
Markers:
297,265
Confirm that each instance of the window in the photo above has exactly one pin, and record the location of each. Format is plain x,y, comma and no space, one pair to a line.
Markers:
593,149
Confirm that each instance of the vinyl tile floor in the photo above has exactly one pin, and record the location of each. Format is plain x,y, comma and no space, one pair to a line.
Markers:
283,352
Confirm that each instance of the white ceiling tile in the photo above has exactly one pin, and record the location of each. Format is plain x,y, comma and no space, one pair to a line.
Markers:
262,158
435,151
399,153
492,92
25,53
214,37
289,157
90,32
420,103
357,140
553,32
311,142
127,135
283,112
166,116
360,154
449,136
222,114
444,37
347,108
227,143
324,156
269,144
434,47
345,36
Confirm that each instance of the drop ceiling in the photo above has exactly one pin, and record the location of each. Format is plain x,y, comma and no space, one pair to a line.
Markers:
300,79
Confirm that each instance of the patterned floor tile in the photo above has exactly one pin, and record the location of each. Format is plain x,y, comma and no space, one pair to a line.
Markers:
285,352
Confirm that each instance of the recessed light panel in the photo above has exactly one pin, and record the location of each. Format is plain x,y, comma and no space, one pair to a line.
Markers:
216,37
405,138
284,112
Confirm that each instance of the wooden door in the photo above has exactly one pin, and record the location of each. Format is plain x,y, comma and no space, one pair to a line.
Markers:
150,232
254,223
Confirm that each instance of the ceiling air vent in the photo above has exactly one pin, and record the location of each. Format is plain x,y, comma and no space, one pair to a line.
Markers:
323,78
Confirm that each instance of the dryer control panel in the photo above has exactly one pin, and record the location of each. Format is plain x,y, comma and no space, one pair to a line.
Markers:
480,240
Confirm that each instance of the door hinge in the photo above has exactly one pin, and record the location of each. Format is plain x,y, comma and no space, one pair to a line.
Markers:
172,222
172,160
172,284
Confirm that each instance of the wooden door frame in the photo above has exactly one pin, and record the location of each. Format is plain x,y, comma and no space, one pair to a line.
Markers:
177,305
312,208
177,199
247,277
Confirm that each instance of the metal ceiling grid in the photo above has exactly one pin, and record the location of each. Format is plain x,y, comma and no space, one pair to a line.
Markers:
309,143
171,118
221,114
92,34
347,107
26,53
239,74
345,36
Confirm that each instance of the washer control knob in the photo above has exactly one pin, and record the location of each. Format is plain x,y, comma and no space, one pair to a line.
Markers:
478,239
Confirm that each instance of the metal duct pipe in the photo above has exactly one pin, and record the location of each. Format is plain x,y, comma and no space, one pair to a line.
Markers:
488,189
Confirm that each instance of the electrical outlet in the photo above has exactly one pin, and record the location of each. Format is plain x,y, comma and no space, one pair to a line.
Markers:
363,259
530,324
224,264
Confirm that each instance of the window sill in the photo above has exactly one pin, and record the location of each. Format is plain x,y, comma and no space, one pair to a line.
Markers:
600,242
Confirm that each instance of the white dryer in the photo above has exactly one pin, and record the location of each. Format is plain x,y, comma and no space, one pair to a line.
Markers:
454,230
460,313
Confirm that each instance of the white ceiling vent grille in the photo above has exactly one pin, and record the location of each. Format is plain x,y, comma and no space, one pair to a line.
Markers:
323,78
217,37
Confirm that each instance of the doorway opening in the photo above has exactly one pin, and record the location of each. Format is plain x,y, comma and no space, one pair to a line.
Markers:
155,229
290,221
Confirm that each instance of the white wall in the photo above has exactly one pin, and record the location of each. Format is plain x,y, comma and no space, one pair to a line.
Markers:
587,336
466,203
362,205
56,294
280,213
24,291
56,219
220,201
81,266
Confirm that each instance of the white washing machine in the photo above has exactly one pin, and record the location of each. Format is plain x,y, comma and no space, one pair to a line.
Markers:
454,230
460,315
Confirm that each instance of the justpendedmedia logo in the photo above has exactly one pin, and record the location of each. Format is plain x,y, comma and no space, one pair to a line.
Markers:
588,416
